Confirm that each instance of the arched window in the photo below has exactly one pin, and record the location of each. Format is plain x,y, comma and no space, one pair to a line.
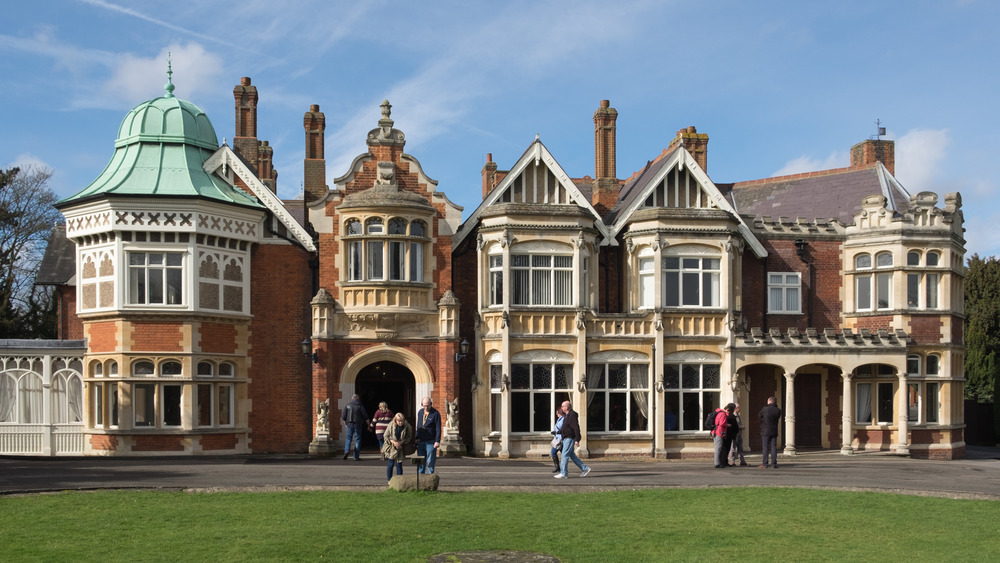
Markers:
67,398
692,383
171,368
618,392
143,368
873,290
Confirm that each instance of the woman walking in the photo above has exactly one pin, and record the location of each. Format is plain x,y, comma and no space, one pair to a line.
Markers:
381,420
397,435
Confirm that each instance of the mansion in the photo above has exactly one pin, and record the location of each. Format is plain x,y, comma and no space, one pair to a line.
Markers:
199,314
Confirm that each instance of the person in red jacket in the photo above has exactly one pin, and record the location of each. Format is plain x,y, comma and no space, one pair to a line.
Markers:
722,444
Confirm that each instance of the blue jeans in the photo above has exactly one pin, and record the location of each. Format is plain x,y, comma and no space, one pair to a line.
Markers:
429,453
388,468
353,434
569,453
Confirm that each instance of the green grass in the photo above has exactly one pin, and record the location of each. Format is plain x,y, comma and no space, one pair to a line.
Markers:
752,524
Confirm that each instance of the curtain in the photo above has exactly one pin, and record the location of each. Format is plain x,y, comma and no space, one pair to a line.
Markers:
864,402
8,390
75,399
30,399
59,402
640,386
594,373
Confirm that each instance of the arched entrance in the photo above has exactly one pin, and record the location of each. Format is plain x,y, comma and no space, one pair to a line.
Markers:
385,381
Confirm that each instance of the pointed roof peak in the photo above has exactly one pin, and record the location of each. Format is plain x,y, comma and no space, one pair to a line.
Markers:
169,86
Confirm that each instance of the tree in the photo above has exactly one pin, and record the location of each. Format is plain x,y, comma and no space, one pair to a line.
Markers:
982,328
26,219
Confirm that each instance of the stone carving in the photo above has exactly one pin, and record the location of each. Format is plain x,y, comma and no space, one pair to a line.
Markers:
323,417
452,421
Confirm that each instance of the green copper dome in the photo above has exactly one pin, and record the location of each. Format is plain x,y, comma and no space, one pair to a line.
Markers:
161,146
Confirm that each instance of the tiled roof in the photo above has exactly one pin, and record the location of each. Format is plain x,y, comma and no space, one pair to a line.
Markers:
827,194
59,262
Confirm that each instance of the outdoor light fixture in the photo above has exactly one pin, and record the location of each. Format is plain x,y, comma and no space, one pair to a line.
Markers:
308,351
464,348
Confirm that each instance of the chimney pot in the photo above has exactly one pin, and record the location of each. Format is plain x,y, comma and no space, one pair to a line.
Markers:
489,157
605,103
245,81
314,108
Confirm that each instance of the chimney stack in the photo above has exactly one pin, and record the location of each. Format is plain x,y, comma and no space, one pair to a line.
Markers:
871,151
605,193
696,143
314,177
489,175
245,141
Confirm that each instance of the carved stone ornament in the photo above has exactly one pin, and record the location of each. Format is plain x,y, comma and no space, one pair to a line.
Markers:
323,416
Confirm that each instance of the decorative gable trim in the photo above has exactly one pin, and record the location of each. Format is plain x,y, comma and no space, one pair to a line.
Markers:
536,154
680,159
225,163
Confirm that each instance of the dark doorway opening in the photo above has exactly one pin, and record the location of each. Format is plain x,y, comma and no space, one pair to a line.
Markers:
808,411
389,382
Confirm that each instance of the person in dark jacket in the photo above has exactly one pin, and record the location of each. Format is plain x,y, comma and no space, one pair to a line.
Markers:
428,435
770,415
570,440
355,417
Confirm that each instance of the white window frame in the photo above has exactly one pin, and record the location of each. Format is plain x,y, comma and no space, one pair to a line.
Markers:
636,389
780,285
646,273
708,396
547,285
691,267
147,271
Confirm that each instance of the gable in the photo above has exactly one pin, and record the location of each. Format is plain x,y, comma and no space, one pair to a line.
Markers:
678,182
535,179
225,162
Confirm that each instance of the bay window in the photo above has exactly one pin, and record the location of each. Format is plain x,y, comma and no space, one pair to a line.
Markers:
692,382
156,278
541,279
690,278
618,397
377,253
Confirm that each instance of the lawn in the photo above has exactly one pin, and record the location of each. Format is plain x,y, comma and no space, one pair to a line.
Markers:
750,524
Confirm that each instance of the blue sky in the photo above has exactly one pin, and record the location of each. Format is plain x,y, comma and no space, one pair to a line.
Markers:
780,87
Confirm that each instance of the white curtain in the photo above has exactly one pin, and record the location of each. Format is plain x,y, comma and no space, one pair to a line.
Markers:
640,388
74,399
864,402
8,392
594,373
30,399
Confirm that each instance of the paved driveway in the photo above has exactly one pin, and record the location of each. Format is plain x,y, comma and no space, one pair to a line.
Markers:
978,476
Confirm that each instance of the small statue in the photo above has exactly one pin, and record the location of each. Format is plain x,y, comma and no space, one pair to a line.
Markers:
452,422
323,416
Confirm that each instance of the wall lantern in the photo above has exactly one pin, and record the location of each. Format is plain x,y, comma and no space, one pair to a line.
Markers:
308,351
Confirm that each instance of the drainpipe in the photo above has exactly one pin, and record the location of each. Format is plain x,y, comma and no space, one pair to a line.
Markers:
800,249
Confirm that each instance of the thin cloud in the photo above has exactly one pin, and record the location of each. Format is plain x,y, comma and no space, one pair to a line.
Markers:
837,159
136,78
159,22
919,156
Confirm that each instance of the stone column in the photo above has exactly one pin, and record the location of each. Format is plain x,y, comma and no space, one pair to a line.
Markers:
790,413
505,351
847,416
903,418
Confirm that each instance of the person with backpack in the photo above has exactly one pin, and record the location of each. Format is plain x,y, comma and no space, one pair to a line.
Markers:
354,416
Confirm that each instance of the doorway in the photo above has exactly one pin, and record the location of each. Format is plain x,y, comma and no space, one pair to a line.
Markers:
389,382
808,411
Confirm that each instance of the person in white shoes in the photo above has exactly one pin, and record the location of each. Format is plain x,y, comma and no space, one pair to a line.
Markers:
570,440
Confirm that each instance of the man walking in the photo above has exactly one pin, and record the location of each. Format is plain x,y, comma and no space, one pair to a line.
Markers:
354,416
769,417
570,440
428,435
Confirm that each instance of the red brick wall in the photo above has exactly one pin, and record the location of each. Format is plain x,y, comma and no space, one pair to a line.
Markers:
152,443
280,391
69,326
157,337
102,337
217,338
822,294
875,323
832,413
465,281
926,329
218,441
103,442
